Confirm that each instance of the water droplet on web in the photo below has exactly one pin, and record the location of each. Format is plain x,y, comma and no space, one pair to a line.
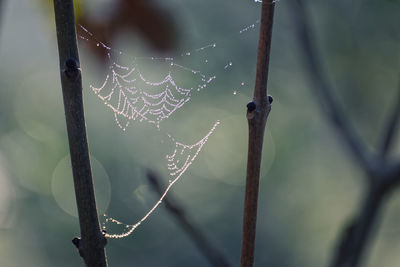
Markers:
235,92
228,65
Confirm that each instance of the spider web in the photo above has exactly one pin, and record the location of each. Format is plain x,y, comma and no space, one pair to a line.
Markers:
178,162
133,97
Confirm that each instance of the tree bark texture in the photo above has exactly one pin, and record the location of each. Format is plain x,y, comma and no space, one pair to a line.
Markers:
92,242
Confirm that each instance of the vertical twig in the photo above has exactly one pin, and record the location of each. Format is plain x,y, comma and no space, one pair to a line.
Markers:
214,257
257,114
92,242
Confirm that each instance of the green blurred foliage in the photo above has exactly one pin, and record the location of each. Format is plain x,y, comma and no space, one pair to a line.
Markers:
310,186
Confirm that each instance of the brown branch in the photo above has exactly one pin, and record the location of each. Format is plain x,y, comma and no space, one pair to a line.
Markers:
257,114
214,257
92,242
391,127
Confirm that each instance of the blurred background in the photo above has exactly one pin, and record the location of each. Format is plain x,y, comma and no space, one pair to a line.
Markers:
310,184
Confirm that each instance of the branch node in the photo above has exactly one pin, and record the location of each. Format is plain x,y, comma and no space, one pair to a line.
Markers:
251,106
71,69
78,244
270,99
104,233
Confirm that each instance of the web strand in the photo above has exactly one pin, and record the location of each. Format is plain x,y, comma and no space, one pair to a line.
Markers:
129,94
189,154
133,97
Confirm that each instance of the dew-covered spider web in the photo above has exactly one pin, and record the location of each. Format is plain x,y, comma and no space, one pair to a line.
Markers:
133,97
151,90
178,162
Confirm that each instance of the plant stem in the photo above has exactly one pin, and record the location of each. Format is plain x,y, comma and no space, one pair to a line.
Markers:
257,114
91,245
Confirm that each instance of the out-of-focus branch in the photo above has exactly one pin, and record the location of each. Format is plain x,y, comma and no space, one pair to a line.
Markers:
257,114
323,88
355,237
391,127
214,257
383,176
